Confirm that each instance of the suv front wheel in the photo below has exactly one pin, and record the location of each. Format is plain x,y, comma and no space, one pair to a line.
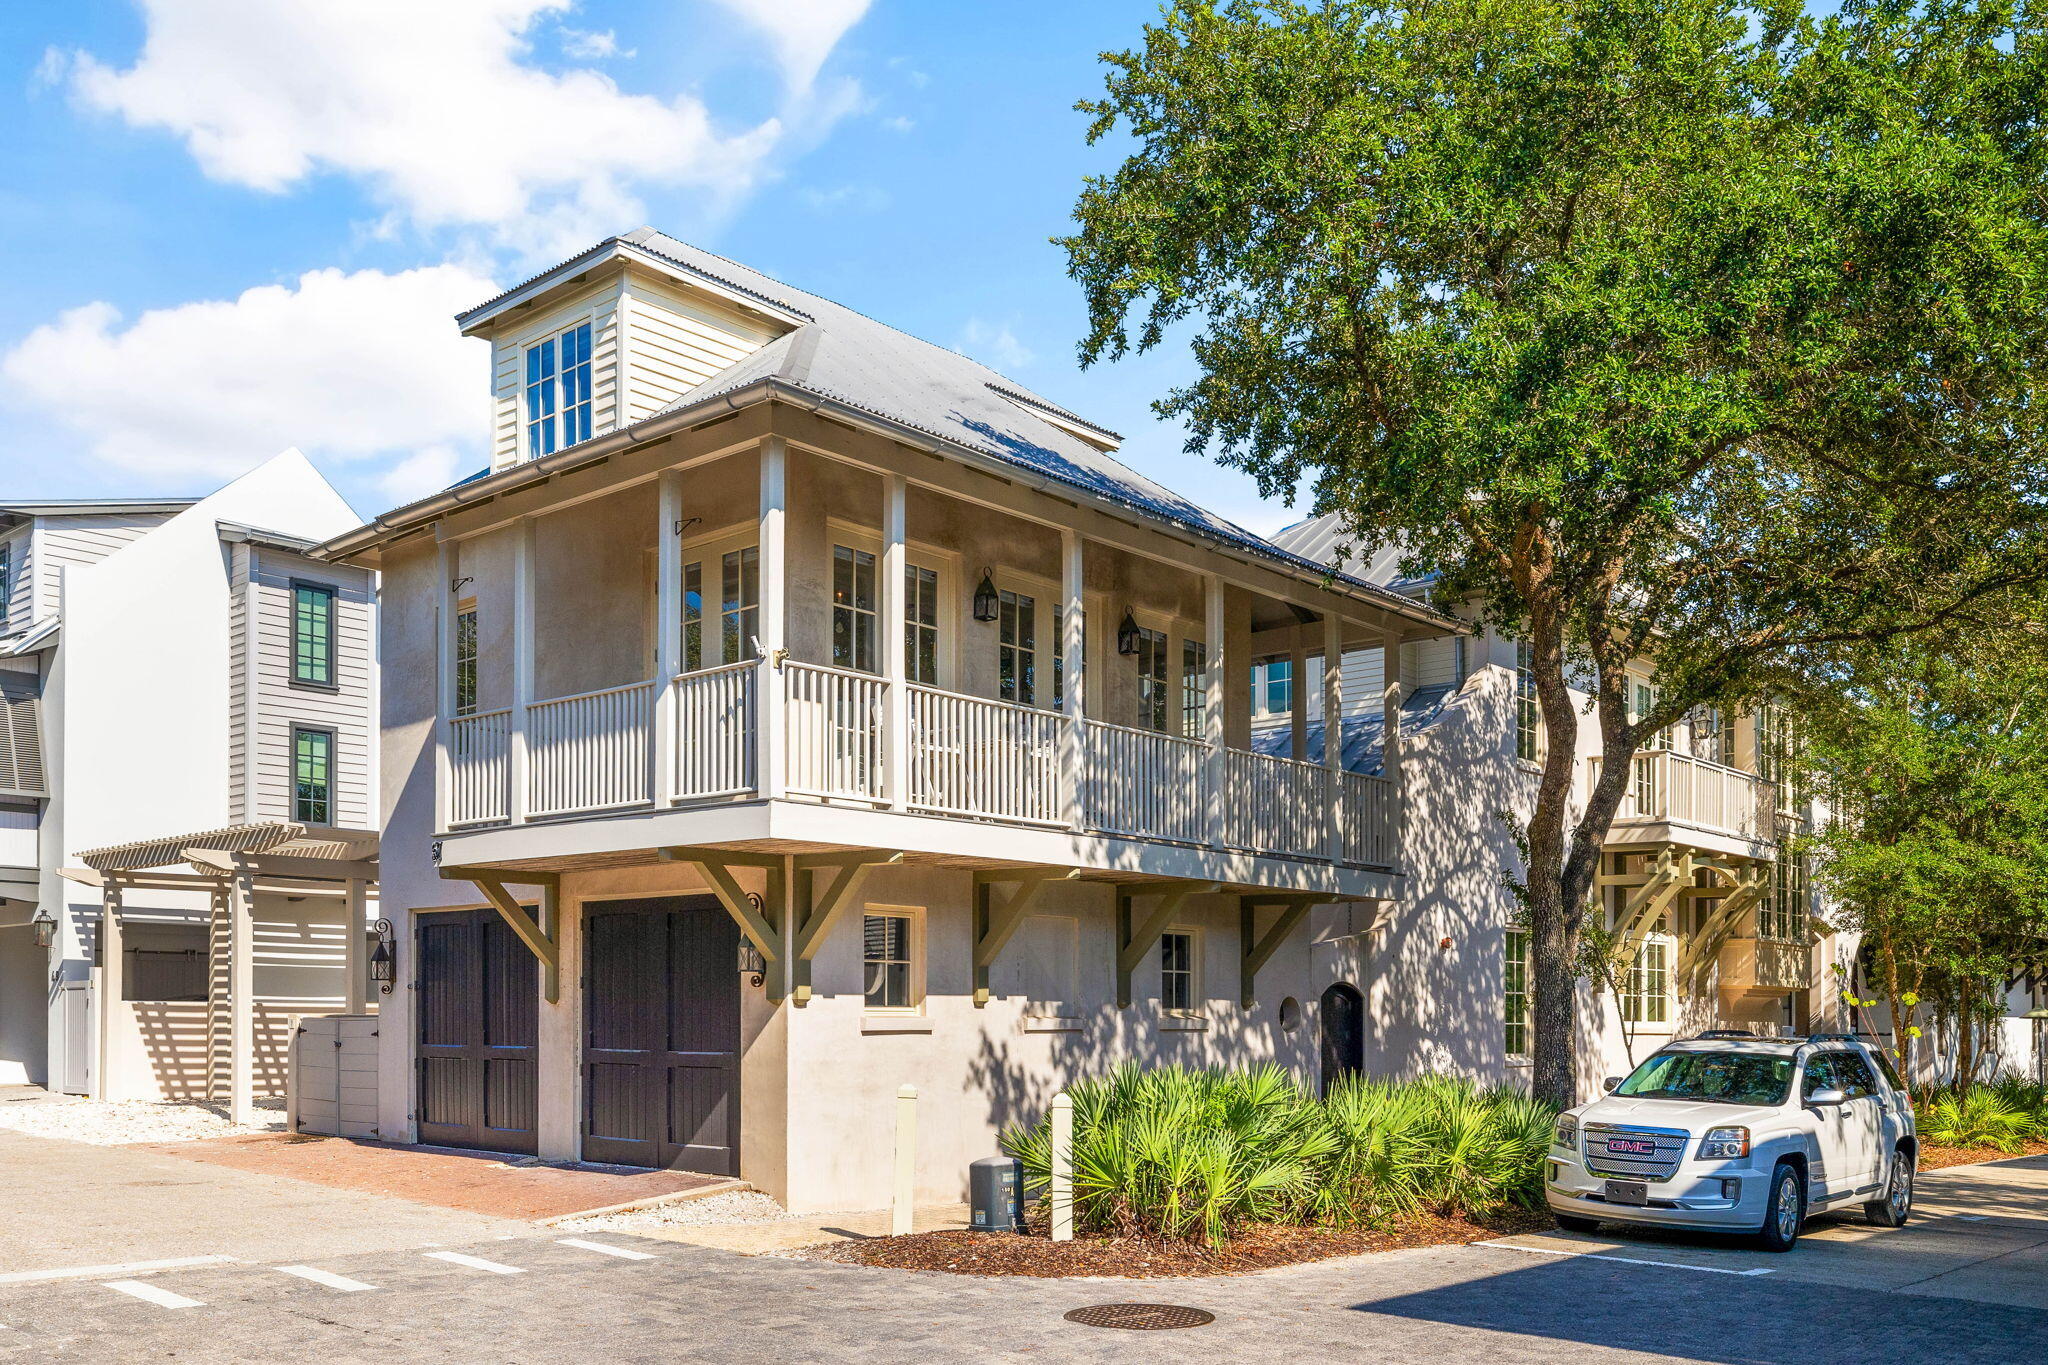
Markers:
1785,1210
1896,1207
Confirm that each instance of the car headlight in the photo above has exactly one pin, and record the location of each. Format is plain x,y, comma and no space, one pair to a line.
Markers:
1722,1144
1567,1132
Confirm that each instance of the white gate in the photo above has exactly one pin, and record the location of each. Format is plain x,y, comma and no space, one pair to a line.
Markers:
332,1085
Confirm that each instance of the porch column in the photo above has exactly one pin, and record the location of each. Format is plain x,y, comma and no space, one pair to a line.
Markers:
354,995
113,964
241,995
1297,693
768,712
1333,730
895,664
1390,736
1073,677
1212,702
444,682
517,763
668,633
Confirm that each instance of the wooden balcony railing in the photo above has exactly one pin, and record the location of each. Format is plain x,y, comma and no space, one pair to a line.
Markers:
1674,788
961,756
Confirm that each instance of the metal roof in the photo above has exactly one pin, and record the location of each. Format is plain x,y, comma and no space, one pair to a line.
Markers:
59,507
1319,538
276,836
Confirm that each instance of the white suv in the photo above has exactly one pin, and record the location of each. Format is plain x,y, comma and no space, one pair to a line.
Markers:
1730,1132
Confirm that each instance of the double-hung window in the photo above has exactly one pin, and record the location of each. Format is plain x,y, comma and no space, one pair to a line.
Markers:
1017,647
1782,916
313,630
854,610
558,391
465,658
1152,650
889,965
921,624
1528,712
1646,990
1515,992
1194,687
312,776
1177,971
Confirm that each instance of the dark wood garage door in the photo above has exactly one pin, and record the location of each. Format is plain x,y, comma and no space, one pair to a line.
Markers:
661,1003
479,1010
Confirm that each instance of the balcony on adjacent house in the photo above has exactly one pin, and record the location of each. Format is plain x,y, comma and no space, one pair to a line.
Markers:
1678,798
781,647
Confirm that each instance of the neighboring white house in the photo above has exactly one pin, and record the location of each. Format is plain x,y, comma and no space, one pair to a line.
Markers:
180,680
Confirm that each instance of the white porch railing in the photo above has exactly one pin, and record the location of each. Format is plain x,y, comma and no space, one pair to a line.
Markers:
590,751
1144,783
479,767
965,756
1665,785
715,732
833,725
989,759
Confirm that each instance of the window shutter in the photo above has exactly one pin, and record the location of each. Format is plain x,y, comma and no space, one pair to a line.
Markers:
21,735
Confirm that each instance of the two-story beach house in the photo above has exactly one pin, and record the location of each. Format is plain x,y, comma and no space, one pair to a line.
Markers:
186,763
796,710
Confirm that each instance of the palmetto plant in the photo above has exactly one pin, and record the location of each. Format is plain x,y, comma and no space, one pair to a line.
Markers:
1195,1154
1978,1117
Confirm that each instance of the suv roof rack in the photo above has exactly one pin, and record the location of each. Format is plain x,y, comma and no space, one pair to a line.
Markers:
1727,1033
1833,1038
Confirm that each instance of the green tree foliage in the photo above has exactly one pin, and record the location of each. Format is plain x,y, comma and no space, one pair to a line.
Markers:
1935,757
1675,330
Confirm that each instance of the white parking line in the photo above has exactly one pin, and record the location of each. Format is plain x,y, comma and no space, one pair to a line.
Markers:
81,1272
476,1263
326,1277
149,1293
1625,1260
621,1252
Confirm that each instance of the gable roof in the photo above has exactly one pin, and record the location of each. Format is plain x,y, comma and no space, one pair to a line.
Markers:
863,367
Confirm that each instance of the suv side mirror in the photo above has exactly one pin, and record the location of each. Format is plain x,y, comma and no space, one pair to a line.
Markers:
1828,1096
1611,1084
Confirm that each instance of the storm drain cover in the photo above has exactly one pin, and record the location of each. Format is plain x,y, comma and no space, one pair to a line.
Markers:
1140,1317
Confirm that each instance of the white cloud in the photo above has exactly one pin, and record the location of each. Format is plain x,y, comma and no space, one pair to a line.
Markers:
896,123
345,366
586,46
802,32
428,470
994,346
849,198
438,110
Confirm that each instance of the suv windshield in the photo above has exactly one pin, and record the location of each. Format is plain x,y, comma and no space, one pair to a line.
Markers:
1716,1077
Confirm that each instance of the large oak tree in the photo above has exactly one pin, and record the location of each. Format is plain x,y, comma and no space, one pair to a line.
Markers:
1675,329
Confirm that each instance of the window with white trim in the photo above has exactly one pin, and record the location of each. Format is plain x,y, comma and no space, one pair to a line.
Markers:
1152,655
1528,711
1017,647
1646,989
1782,915
1194,687
739,603
1515,992
1177,984
855,613
889,961
921,624
558,391
465,657
1273,687
693,616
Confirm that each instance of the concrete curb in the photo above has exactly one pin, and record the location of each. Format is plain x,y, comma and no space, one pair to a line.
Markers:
654,1201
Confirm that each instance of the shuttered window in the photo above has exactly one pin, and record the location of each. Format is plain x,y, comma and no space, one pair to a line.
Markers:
21,737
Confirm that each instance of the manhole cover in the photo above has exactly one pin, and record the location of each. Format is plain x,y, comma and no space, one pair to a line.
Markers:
1140,1317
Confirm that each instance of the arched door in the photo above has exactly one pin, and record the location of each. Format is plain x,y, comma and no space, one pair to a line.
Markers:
1343,1034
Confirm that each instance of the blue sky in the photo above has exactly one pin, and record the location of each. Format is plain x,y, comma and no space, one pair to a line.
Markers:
230,228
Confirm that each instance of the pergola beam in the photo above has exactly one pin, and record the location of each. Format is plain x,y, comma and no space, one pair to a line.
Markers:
283,866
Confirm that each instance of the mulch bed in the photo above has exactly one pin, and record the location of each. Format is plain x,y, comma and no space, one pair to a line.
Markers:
1257,1248
1935,1158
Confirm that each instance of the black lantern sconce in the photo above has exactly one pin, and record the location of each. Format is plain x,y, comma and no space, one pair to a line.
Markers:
383,961
45,925
985,604
752,964
1127,634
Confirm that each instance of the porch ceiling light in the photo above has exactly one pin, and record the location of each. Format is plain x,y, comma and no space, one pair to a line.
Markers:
1127,634
985,598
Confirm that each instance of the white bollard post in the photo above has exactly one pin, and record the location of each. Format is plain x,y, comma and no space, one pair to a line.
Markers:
1062,1167
906,1160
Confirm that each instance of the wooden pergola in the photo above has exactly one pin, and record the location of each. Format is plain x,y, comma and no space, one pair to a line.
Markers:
231,866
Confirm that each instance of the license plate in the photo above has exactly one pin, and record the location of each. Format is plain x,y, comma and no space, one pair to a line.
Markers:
1628,1192
1631,1147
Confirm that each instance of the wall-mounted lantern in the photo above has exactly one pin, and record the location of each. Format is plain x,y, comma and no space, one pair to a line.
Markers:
985,604
45,925
752,964
383,960
1127,634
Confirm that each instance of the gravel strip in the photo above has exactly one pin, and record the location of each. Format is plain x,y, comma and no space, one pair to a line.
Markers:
736,1206
116,1123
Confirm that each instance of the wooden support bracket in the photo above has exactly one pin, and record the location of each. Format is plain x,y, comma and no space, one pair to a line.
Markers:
715,866
814,915
1135,938
1257,952
995,924
542,939
1719,926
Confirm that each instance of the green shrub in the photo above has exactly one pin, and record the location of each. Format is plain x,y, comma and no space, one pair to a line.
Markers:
1194,1154
1978,1117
